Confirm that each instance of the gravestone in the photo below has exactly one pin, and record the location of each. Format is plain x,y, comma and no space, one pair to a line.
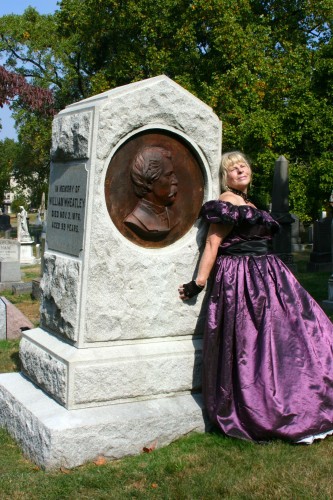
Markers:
321,255
9,261
296,243
3,320
5,222
24,237
280,211
329,302
116,362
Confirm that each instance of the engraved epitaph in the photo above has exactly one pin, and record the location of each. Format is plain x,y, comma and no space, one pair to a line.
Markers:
9,251
66,208
9,261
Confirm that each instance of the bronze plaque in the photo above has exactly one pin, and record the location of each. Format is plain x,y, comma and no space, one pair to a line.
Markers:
154,188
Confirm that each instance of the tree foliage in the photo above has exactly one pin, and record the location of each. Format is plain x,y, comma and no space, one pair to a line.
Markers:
15,85
8,151
264,66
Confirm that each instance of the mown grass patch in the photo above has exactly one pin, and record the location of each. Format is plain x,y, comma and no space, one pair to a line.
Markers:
206,466
31,272
9,357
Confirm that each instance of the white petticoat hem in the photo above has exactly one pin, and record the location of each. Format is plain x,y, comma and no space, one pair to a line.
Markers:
310,439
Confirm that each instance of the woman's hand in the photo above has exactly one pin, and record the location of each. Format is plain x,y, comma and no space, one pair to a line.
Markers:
189,290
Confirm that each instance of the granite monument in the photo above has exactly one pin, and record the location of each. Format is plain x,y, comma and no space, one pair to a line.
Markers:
115,364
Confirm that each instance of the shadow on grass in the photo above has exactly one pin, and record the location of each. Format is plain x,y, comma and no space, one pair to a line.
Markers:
15,357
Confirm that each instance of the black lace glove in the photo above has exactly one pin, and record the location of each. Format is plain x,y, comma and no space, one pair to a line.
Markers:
191,289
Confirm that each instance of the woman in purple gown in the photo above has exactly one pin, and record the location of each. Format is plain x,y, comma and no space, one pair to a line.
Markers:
268,346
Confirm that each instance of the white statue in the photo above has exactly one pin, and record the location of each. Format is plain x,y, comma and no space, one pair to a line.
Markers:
22,226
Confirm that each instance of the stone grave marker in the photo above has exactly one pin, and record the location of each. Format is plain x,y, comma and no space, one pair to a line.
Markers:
9,261
280,211
3,320
24,237
321,255
116,362
329,302
296,243
5,222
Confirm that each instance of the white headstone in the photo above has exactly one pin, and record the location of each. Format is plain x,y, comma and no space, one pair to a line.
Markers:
9,261
114,333
3,320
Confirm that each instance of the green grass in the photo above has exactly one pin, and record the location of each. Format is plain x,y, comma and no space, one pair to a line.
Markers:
9,358
199,466
208,466
31,272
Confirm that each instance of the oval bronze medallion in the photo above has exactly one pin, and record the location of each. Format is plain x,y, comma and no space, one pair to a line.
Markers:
154,188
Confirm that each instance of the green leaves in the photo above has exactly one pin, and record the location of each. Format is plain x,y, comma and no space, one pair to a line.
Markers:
265,67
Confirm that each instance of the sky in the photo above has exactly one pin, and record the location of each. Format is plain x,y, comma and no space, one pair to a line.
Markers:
18,7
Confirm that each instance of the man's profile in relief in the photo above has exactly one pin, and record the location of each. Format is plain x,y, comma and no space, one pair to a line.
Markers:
155,183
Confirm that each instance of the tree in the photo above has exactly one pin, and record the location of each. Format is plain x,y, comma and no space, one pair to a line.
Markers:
35,98
263,65
8,153
32,164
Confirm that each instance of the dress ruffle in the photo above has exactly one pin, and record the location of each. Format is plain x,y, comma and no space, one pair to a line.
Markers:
218,211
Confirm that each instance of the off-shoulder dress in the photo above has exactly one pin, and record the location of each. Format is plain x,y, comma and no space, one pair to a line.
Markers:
268,346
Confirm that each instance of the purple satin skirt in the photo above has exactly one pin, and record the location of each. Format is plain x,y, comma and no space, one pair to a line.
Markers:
268,353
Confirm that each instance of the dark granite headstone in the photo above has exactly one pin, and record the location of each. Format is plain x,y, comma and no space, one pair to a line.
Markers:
296,244
329,302
280,211
321,256
5,222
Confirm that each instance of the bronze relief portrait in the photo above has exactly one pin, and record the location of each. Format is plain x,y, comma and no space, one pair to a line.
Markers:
154,188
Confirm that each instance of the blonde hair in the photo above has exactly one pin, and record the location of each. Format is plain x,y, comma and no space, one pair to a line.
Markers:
228,160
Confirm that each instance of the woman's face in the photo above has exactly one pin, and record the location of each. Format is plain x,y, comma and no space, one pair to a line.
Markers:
239,176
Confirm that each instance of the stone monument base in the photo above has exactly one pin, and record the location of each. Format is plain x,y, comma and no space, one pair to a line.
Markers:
319,266
27,255
328,304
54,437
10,272
8,285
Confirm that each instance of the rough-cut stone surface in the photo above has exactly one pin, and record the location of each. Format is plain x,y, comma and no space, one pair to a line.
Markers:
60,288
129,292
161,102
53,437
71,137
103,375
45,370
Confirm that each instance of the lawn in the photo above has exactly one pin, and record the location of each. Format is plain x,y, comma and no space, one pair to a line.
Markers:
208,466
198,466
